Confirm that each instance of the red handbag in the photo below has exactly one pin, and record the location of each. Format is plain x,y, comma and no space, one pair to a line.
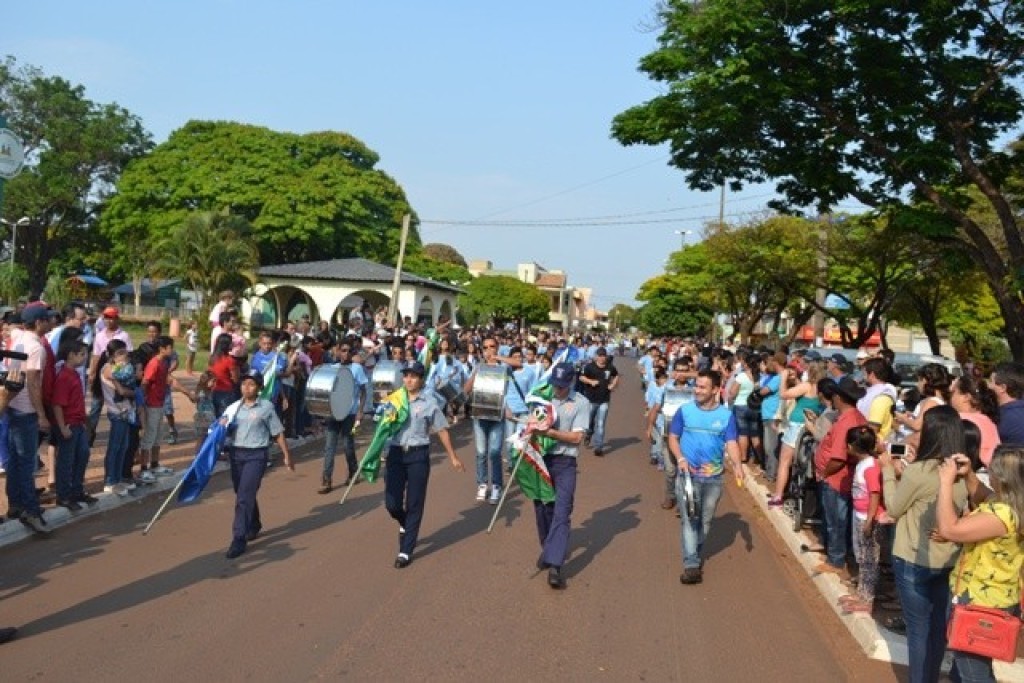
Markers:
984,631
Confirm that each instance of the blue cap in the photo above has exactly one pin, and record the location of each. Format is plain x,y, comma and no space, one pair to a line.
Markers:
255,376
563,375
414,366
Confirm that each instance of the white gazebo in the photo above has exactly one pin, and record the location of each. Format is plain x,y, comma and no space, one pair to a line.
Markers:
329,290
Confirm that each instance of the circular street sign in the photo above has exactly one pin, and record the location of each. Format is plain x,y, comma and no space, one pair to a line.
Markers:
12,154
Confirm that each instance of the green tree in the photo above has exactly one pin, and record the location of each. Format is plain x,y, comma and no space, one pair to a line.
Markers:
13,282
76,150
621,317
501,299
444,253
208,251
306,197
874,101
442,271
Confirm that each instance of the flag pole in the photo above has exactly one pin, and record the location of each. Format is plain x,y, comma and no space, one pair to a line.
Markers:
352,482
504,492
163,507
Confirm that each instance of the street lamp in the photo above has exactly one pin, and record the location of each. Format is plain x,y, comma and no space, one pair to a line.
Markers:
682,237
14,233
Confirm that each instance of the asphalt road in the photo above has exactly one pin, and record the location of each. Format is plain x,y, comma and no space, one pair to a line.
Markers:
316,597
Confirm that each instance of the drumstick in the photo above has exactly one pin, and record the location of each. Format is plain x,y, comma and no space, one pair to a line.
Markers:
504,492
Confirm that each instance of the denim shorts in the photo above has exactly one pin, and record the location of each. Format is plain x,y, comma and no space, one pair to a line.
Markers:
791,436
748,422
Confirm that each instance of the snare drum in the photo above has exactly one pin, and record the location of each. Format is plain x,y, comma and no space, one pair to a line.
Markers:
450,391
488,397
330,392
387,378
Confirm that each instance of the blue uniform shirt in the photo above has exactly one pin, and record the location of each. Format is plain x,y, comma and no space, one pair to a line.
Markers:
255,425
425,416
702,437
524,378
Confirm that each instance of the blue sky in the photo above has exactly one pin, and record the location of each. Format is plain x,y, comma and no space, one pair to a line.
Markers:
480,110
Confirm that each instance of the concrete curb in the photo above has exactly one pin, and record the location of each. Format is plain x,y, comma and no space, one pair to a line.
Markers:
876,642
13,531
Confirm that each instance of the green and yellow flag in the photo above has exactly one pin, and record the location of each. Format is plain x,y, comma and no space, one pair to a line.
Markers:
392,415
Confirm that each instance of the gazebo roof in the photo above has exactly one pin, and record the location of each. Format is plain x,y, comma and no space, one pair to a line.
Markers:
349,269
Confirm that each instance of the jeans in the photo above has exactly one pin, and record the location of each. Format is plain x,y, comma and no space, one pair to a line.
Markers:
924,595
671,469
247,468
488,434
836,510
23,449
554,520
598,417
72,461
657,443
695,531
405,491
510,428
117,449
339,429
770,439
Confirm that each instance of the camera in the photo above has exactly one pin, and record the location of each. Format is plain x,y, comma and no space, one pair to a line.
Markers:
897,450
17,383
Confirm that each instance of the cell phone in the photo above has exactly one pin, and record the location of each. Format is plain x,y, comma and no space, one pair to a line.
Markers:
897,450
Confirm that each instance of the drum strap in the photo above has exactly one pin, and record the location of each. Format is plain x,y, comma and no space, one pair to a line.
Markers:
519,389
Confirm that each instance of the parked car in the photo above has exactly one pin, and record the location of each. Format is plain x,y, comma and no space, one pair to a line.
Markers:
906,366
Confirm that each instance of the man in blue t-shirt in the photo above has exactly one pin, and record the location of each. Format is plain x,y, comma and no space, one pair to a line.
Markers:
343,430
702,433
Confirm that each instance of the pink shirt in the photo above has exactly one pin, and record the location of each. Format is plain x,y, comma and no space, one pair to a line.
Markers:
989,434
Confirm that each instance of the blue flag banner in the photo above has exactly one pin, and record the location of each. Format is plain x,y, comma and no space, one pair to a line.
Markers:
198,473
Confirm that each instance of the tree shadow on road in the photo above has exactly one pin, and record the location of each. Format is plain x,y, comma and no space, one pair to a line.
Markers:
595,534
724,531
274,546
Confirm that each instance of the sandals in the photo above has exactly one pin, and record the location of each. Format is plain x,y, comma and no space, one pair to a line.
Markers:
896,625
774,502
857,607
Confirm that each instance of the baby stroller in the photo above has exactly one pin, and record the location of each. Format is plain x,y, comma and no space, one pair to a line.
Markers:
801,499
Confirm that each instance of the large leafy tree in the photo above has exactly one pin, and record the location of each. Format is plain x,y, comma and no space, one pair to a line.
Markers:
306,197
76,149
871,100
501,299
683,299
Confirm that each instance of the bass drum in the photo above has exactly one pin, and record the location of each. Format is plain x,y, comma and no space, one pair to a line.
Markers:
387,378
330,391
488,397
673,399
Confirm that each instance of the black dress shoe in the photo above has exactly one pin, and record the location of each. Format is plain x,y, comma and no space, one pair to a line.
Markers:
541,564
87,499
555,578
253,533
402,561
7,634
235,550
69,504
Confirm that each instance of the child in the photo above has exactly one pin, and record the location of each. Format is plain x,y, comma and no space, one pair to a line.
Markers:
192,344
69,418
205,413
869,518
119,402
654,397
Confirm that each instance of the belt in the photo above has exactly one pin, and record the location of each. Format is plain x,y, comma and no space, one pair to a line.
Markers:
407,449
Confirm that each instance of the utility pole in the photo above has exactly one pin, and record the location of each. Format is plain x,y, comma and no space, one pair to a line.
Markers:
819,292
397,282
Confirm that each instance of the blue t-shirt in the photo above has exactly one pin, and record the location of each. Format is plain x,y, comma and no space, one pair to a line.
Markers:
359,376
259,363
525,378
770,404
702,437
1011,422
654,397
647,363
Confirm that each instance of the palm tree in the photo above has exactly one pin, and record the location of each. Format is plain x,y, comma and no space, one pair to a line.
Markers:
206,251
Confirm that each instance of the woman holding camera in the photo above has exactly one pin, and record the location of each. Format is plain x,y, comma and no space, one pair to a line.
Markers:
921,564
251,425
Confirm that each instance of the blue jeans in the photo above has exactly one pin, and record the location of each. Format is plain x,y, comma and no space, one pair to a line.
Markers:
924,596
770,440
117,449
510,428
23,448
836,510
339,430
554,520
657,444
405,491
488,435
72,461
695,531
598,417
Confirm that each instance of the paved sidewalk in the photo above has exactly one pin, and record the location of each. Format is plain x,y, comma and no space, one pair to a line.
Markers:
876,641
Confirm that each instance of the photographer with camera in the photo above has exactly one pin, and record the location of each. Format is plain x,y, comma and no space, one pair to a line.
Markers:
12,383
252,423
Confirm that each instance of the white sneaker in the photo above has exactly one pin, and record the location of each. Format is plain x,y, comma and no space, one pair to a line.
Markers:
109,488
128,485
147,477
481,492
495,495
162,471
